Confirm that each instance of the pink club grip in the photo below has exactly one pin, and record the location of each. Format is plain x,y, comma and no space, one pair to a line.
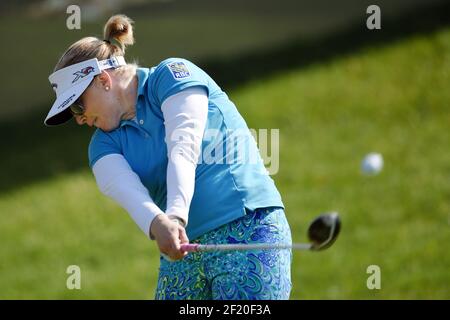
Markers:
190,247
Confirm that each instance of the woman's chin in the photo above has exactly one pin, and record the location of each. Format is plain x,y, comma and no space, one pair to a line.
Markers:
108,127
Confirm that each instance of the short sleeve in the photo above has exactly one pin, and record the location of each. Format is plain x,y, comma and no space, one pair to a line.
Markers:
102,144
174,75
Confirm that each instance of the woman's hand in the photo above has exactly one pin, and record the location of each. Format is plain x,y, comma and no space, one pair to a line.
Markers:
169,236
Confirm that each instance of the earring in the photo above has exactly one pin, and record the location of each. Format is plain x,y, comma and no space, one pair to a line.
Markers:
107,88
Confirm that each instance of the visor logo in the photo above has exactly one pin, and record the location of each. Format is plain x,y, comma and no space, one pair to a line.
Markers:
82,73
66,102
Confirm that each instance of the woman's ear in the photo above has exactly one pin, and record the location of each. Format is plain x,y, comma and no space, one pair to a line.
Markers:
104,80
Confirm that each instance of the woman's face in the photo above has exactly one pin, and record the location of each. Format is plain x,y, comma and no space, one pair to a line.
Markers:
101,104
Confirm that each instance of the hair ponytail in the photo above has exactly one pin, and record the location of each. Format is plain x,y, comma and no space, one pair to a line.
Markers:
120,29
118,33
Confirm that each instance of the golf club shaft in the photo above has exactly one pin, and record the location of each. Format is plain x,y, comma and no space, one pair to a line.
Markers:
193,247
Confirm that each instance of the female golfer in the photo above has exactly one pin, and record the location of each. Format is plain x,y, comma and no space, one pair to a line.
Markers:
172,149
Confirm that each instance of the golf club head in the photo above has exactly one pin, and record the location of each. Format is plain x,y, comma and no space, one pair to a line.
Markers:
323,231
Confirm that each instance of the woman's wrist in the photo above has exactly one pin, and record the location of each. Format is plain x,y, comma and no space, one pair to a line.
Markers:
178,220
151,234
160,216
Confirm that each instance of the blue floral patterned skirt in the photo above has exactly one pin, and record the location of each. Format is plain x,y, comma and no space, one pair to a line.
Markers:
232,275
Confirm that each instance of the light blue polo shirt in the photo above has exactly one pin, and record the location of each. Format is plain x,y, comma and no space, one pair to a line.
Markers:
226,181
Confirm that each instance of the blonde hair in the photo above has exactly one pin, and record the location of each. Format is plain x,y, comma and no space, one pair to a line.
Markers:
117,33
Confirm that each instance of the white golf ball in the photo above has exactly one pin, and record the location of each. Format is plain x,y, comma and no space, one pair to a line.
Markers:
372,163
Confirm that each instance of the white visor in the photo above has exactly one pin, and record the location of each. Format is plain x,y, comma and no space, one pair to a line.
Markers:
70,82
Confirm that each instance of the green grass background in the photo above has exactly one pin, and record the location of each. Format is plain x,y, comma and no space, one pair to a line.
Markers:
393,99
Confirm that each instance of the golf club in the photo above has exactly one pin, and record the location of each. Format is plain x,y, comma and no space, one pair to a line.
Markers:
322,233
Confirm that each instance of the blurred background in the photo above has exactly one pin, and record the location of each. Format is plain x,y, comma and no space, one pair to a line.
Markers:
312,69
